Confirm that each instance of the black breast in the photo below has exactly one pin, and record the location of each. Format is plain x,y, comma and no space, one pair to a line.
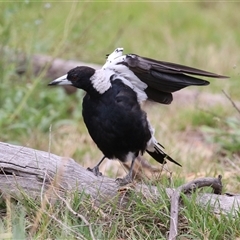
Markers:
116,122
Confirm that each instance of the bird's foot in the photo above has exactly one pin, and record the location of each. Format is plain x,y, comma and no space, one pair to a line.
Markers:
124,181
95,171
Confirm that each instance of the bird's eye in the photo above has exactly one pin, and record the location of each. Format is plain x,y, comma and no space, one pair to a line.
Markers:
75,77
72,77
107,55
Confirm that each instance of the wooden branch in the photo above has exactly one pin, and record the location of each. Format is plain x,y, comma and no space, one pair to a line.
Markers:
232,102
34,172
215,183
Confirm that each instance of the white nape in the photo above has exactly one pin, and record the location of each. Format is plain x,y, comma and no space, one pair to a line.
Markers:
122,72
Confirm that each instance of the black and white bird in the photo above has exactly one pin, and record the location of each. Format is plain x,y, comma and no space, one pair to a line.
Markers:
112,104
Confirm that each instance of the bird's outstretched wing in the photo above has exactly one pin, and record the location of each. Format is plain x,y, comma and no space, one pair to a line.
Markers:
161,78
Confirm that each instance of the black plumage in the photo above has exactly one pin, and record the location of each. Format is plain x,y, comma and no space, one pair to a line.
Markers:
111,106
115,122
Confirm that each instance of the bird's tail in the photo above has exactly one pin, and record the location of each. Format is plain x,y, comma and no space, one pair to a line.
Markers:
160,156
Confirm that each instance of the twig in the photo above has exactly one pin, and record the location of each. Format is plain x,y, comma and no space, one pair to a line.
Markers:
233,103
215,183
76,214
77,234
233,164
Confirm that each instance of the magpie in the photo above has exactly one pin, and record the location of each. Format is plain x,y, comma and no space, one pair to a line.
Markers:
112,110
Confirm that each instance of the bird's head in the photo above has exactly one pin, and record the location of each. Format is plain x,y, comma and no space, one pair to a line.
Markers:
78,77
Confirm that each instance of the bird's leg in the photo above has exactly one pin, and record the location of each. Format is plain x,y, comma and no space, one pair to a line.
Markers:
95,170
128,178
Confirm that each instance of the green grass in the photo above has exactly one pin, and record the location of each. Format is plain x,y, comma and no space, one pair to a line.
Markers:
141,218
203,224
199,34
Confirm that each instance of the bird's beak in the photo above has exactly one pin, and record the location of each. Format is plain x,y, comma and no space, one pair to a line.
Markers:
61,81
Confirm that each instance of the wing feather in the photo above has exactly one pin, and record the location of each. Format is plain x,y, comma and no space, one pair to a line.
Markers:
164,76
174,68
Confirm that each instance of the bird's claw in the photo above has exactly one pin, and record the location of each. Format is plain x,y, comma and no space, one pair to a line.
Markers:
95,171
124,181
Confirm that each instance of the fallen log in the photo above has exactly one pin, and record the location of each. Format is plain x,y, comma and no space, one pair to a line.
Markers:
34,171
